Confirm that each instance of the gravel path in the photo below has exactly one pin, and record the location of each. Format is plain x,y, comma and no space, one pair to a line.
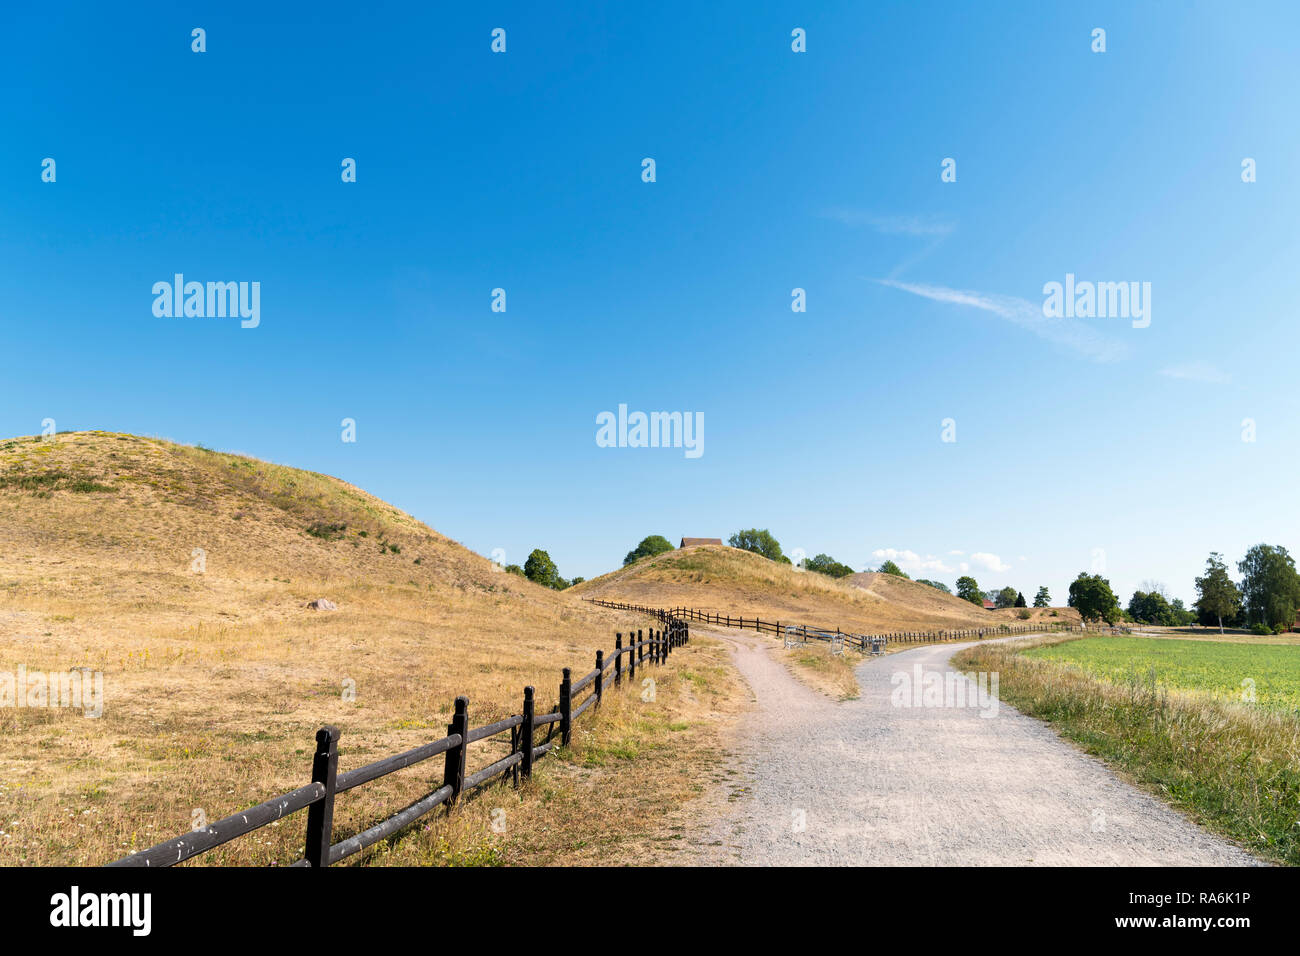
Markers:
867,783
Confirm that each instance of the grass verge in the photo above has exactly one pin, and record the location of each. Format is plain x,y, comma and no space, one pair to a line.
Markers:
1234,768
825,672
620,795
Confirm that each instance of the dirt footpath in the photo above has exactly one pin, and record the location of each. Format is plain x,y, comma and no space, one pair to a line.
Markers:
868,783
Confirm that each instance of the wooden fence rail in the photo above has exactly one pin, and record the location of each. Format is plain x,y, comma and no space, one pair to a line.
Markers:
318,797
865,642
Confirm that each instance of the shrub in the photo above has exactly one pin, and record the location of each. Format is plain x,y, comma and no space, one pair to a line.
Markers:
1024,614
889,567
83,486
760,541
825,564
649,546
540,569
326,531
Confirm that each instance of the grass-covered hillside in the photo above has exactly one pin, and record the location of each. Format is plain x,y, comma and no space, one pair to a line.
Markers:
183,575
729,580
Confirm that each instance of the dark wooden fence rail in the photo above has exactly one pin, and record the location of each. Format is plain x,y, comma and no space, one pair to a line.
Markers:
865,642
643,648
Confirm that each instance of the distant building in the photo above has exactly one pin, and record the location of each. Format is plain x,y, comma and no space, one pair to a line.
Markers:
989,605
693,542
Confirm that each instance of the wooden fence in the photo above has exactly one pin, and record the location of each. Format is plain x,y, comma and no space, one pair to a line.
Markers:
317,797
865,642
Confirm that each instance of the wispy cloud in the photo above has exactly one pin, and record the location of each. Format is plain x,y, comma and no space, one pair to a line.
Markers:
915,226
1071,333
1197,371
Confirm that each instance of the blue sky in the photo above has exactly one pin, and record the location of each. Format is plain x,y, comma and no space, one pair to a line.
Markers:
774,170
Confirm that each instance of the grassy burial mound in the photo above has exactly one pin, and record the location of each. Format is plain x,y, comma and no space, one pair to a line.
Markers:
939,605
183,576
729,580
1037,615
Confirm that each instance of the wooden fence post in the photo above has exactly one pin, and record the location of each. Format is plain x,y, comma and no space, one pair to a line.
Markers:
566,708
526,733
453,774
618,660
320,815
631,655
600,677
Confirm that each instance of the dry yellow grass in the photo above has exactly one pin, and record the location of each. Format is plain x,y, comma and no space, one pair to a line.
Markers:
215,681
627,792
728,580
1037,615
824,671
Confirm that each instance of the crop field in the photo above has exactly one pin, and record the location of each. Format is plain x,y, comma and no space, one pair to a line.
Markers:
1222,669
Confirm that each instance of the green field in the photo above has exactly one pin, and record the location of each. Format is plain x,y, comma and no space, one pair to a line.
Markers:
1217,668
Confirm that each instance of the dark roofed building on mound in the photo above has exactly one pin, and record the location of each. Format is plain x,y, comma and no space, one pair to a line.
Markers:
692,542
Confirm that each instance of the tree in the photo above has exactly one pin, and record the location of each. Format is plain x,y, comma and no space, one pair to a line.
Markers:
760,542
937,585
1182,616
649,547
515,569
889,567
577,580
1217,596
1150,607
1091,596
1020,600
1042,599
969,590
540,569
1270,587
1006,597
825,564
1151,586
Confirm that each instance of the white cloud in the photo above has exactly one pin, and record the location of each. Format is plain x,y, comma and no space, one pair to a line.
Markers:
914,563
989,562
911,562
1071,333
1197,371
